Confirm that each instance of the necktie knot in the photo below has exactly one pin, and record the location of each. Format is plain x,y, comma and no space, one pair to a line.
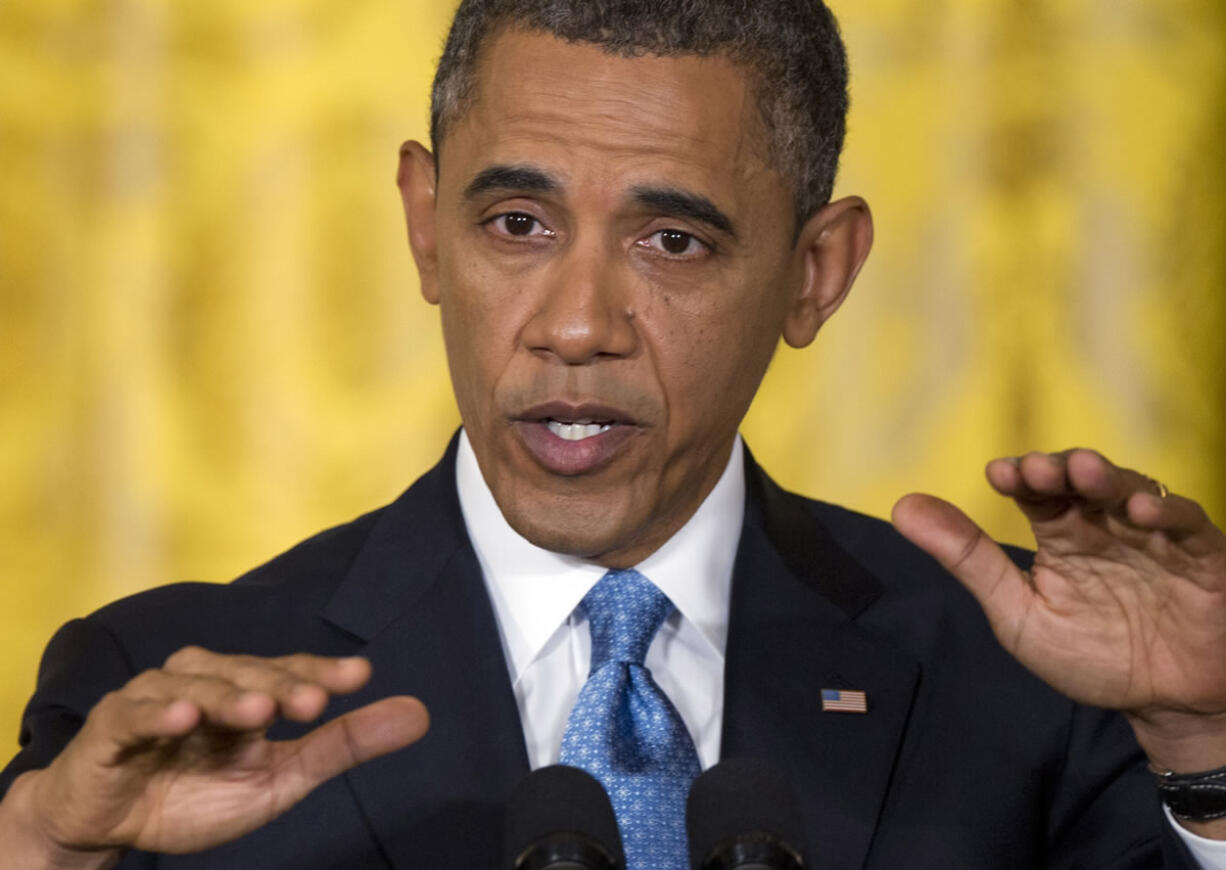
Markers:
624,611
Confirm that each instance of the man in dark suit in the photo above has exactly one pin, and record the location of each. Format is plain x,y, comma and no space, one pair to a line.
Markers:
625,215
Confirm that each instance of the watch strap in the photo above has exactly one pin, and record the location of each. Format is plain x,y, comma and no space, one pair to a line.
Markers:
1193,797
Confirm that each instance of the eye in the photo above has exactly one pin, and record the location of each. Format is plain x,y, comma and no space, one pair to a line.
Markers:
519,224
675,243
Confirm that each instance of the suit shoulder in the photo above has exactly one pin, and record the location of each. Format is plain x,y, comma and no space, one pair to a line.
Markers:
284,593
320,560
876,544
918,605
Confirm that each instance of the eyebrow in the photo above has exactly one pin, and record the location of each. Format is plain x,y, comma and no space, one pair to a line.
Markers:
507,178
682,203
672,201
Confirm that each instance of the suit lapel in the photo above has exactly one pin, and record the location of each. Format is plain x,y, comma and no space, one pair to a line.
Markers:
440,801
792,632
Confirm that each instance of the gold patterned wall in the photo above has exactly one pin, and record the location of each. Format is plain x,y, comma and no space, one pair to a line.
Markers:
211,343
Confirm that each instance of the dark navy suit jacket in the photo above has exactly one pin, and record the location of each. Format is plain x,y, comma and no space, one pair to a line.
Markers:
964,759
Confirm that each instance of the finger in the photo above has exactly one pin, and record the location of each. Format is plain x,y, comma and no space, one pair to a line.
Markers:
1040,482
125,721
1174,514
1135,498
963,549
1045,475
1181,520
1140,499
349,740
1097,479
1077,473
1045,485
219,701
300,684
336,675
290,696
1144,502
1007,478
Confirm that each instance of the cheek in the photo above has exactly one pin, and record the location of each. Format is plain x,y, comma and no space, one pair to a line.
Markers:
711,360
479,328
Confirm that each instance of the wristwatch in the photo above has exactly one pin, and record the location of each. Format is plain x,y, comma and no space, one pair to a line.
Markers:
1193,797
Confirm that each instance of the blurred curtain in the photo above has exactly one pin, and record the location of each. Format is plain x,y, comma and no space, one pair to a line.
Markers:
211,343
1049,184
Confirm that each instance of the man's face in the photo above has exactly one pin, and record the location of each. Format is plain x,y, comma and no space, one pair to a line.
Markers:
613,256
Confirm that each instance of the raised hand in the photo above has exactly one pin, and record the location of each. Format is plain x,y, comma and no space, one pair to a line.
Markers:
1125,606
177,760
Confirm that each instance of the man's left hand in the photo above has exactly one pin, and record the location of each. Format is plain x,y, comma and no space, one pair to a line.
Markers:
1125,605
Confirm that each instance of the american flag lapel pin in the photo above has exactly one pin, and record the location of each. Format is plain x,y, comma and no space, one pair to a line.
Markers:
844,701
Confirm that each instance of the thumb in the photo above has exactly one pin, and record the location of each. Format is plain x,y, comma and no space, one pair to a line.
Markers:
953,539
352,739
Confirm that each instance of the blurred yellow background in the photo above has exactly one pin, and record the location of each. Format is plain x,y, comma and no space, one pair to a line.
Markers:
211,342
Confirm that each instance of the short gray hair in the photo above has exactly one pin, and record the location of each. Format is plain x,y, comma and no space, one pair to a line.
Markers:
792,47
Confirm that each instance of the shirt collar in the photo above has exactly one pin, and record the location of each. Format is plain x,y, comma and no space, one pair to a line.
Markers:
533,590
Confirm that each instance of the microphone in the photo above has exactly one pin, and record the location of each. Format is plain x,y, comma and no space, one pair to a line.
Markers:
741,815
560,818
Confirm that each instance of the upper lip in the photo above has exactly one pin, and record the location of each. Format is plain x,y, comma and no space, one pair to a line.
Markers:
567,412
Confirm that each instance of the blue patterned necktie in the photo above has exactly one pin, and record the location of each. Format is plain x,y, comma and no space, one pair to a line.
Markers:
623,729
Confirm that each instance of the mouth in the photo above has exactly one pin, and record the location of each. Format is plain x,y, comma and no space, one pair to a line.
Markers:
571,440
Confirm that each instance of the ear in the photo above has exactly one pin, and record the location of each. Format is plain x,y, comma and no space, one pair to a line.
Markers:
832,246
418,184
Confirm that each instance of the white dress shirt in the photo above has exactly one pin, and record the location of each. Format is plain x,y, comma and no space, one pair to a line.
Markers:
1210,854
547,645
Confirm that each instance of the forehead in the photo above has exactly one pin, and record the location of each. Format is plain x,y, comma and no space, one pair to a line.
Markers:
611,120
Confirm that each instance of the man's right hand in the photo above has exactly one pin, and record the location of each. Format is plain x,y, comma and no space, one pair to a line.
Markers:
177,760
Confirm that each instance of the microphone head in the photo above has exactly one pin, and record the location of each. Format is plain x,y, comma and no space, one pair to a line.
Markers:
561,817
742,814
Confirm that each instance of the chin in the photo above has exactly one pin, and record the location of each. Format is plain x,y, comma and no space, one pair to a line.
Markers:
583,530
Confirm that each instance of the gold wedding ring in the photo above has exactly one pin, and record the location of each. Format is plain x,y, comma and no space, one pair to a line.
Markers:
1163,492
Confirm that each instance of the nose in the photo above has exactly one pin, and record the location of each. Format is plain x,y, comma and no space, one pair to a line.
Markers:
585,311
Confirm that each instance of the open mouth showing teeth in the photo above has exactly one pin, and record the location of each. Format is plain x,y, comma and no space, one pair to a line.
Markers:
577,430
